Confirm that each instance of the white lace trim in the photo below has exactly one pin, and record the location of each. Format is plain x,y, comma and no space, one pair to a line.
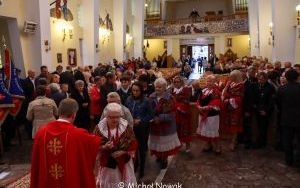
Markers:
233,103
103,127
164,143
209,128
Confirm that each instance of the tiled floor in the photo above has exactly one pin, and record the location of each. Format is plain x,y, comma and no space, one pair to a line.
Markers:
242,168
196,74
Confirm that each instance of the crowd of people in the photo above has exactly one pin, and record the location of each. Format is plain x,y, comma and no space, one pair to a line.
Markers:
128,108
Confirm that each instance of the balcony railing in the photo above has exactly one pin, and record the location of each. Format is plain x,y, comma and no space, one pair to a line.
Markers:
237,23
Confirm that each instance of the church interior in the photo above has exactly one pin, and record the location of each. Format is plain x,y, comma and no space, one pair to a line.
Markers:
190,40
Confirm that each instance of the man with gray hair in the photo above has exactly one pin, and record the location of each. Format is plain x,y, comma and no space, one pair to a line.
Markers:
56,94
61,152
114,97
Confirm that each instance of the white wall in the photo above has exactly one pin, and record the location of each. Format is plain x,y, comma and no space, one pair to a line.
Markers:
57,43
119,24
265,17
220,45
16,9
284,31
253,26
130,19
107,48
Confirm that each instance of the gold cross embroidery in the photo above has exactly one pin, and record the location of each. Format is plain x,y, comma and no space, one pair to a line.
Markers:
56,171
55,146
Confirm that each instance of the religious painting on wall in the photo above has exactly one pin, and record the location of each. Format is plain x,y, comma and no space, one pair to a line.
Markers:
229,42
106,23
165,44
59,58
72,58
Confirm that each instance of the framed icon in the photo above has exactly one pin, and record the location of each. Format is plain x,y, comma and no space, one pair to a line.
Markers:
229,42
72,57
59,58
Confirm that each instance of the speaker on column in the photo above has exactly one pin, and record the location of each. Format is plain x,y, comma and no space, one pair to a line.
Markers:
30,27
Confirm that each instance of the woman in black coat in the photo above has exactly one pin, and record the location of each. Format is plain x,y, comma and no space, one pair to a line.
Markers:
80,94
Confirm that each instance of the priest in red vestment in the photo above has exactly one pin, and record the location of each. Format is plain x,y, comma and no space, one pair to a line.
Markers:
63,155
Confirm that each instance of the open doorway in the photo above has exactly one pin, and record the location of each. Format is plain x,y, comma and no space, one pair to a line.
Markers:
200,56
200,51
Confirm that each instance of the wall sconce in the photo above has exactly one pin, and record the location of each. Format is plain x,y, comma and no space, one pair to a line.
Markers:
272,37
47,45
129,40
104,34
249,42
65,28
298,14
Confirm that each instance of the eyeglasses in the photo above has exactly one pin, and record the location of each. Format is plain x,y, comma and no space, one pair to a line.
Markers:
113,117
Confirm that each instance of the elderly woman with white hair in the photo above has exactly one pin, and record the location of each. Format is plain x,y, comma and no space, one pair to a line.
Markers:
232,96
117,151
163,138
114,97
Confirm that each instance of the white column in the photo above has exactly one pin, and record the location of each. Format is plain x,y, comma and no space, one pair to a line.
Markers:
169,47
14,36
264,19
138,27
284,31
90,40
176,49
119,24
220,45
38,11
163,10
233,6
253,27
297,45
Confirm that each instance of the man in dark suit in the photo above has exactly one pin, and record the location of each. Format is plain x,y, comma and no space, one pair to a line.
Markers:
289,104
28,86
265,107
44,75
58,70
251,95
109,86
125,90
67,77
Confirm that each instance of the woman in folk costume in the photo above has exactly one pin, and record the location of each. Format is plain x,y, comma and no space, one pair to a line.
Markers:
163,138
209,106
232,97
117,151
182,95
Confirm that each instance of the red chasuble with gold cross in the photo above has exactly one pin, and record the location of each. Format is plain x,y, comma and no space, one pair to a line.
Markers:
63,157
